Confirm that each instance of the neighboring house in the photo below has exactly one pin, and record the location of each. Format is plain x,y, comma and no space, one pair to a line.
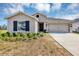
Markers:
20,22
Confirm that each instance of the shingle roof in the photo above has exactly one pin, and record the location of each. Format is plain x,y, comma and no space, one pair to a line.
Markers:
48,18
77,19
58,20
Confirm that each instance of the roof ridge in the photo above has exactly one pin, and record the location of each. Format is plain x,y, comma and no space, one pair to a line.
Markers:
57,18
39,13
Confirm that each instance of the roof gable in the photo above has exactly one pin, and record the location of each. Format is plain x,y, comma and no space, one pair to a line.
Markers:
19,13
39,14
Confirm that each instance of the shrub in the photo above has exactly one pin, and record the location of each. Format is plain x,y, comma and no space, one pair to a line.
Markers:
34,34
18,34
23,35
38,33
8,34
5,38
14,34
29,35
3,35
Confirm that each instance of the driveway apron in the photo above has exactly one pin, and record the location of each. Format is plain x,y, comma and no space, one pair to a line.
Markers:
70,41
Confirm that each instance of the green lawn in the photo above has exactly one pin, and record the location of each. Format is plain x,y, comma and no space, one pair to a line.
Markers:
3,31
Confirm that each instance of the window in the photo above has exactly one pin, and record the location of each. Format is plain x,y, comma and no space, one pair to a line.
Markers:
23,25
37,16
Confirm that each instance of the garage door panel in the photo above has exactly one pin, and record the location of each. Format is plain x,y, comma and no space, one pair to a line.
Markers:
57,28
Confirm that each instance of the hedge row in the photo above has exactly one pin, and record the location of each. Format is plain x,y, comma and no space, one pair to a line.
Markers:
20,36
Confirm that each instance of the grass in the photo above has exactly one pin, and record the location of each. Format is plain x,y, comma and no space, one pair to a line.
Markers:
3,31
30,44
44,45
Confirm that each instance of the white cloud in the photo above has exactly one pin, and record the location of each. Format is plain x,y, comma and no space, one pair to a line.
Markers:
66,14
42,7
71,9
13,8
70,17
73,6
46,6
19,7
56,6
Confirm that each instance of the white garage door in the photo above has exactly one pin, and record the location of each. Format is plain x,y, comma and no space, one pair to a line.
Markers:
57,28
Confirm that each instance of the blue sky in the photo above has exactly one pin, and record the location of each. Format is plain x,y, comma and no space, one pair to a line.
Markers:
56,10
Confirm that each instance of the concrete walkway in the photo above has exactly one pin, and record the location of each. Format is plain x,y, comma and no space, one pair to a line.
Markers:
69,41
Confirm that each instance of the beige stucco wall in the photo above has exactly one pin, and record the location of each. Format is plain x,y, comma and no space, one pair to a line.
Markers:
21,17
53,25
41,18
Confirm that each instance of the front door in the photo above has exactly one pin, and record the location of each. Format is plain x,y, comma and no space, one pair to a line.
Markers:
41,26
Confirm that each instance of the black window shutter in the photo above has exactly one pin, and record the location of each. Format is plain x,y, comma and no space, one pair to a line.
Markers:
15,26
27,25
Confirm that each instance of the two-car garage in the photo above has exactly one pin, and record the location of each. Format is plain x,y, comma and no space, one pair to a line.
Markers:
60,28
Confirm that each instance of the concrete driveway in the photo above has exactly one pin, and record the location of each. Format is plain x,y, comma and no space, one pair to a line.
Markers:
69,41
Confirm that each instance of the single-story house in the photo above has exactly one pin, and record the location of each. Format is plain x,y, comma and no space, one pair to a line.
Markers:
21,22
